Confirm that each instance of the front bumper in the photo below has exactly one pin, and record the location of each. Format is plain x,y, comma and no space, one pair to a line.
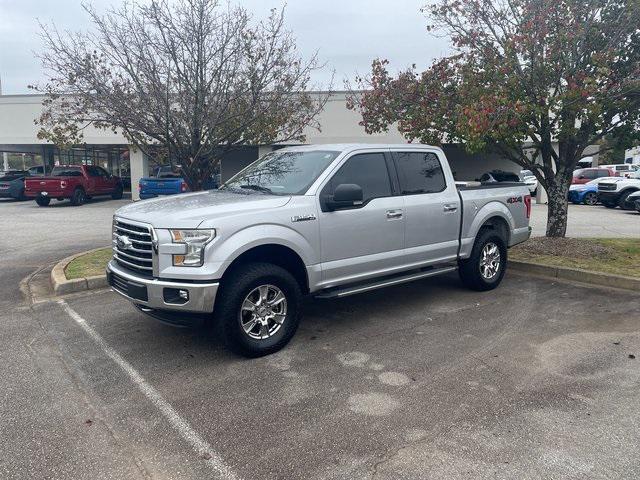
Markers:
608,197
576,196
157,294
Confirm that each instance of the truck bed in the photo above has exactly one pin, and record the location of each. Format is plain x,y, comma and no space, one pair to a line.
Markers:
479,200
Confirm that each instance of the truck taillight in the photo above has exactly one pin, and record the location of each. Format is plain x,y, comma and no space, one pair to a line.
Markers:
527,205
184,187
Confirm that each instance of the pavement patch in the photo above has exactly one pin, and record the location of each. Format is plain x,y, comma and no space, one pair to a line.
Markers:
375,404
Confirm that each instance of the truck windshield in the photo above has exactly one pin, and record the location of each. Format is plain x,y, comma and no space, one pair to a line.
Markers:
283,173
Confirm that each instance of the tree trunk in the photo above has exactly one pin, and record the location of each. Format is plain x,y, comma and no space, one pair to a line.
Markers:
557,208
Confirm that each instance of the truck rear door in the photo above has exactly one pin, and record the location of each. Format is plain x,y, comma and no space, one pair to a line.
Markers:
431,204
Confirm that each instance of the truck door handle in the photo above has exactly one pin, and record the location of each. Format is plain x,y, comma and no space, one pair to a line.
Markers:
450,207
394,214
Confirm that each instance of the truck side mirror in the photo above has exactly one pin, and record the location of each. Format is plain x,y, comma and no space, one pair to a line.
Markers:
345,195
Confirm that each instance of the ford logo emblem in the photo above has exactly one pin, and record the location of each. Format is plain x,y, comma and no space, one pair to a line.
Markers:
123,242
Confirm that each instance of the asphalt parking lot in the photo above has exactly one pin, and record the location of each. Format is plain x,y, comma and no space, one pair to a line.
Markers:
427,380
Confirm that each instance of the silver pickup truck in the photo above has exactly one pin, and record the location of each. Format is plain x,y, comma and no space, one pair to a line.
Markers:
325,220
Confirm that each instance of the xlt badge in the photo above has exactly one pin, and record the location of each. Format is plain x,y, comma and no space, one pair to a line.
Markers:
303,218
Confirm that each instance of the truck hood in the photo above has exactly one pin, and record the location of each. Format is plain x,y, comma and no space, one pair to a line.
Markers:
191,209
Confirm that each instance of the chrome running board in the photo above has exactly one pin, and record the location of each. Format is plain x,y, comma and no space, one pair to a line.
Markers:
339,292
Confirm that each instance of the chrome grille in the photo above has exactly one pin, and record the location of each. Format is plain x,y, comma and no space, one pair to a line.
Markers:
134,251
606,187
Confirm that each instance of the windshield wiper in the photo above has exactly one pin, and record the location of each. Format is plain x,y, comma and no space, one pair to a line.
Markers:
258,188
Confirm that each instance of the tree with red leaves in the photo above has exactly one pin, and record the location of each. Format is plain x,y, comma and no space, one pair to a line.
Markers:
535,80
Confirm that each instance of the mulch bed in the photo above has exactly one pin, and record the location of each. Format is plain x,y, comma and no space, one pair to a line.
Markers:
564,247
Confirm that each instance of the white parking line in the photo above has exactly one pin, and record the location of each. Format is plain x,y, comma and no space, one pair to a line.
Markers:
199,445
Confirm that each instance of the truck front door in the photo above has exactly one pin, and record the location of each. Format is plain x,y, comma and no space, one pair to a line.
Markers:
432,208
365,240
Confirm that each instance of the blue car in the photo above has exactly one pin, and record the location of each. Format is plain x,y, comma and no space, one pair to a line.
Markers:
165,182
168,182
586,193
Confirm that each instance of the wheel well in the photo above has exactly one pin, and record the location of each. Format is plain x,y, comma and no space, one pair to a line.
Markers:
500,225
278,255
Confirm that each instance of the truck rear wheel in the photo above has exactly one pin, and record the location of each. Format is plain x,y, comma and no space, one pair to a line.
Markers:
258,309
78,197
43,201
484,269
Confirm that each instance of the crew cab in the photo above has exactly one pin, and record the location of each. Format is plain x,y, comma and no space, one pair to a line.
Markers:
75,182
613,193
326,220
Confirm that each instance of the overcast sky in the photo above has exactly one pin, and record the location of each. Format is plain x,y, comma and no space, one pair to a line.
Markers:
347,33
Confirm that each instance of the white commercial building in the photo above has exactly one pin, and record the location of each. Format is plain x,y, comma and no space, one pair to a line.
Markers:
21,147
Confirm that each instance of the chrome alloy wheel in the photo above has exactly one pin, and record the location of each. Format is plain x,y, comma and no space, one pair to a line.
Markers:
263,311
490,261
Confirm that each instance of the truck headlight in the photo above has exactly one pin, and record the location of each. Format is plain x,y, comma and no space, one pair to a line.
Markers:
195,241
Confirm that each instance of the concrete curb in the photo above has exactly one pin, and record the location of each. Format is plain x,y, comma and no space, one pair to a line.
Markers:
577,275
62,286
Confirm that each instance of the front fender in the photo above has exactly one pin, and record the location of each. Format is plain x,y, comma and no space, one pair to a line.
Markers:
266,234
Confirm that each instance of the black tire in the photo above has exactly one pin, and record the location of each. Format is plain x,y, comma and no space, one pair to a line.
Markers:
79,197
21,197
117,193
623,199
236,287
591,198
469,269
43,201
609,205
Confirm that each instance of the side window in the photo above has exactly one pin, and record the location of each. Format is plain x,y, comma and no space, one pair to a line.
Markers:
93,171
369,170
591,174
419,172
603,173
102,172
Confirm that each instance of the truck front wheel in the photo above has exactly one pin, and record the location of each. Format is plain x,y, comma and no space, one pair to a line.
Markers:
258,309
117,193
484,269
79,197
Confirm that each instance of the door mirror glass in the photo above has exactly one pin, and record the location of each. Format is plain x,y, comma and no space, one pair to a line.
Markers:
345,195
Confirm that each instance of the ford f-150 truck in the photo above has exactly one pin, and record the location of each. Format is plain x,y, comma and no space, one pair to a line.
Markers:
75,182
326,220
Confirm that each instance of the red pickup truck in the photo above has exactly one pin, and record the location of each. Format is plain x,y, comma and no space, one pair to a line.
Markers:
76,182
